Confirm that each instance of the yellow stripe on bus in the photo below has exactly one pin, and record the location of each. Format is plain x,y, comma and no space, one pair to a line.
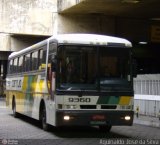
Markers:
25,83
124,100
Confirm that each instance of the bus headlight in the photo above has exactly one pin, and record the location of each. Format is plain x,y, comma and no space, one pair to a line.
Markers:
66,117
127,118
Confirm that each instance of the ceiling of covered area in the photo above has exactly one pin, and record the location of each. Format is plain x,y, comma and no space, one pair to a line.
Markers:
120,8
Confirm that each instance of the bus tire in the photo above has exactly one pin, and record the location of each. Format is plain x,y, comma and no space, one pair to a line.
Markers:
105,128
15,114
45,126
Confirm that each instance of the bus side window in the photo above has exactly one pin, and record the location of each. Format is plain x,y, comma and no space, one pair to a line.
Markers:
24,64
20,64
53,62
35,60
30,63
11,66
52,48
42,59
40,56
27,62
44,56
15,65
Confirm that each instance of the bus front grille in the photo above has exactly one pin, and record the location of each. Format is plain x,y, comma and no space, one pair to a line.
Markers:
108,106
88,106
96,107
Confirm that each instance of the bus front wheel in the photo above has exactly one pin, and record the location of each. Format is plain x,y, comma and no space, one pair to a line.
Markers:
14,108
105,128
45,126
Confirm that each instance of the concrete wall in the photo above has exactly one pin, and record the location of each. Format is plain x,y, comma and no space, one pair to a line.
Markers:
27,16
40,17
65,4
20,42
85,24
93,23
5,42
132,29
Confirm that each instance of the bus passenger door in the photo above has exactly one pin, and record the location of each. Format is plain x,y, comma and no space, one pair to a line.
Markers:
51,75
53,72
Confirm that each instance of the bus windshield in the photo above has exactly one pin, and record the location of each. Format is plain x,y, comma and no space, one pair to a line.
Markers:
89,68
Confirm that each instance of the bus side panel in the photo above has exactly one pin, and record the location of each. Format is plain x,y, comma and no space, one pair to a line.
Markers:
40,92
51,116
36,90
14,91
28,92
7,99
19,97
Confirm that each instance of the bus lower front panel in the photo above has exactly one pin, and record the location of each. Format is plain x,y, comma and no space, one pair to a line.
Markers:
93,117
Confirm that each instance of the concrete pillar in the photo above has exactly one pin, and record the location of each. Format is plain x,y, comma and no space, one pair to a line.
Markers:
27,16
0,67
66,4
5,42
4,68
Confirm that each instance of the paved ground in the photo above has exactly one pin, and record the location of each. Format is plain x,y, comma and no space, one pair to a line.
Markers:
24,130
147,120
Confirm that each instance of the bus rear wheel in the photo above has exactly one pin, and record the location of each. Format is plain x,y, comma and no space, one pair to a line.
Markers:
105,128
45,126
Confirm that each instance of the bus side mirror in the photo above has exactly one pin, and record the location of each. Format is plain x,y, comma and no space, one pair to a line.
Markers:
52,66
134,68
54,63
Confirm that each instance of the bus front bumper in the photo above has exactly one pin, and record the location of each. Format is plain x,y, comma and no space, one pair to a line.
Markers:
94,117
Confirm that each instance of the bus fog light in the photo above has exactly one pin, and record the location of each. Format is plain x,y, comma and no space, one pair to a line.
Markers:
71,106
127,118
66,117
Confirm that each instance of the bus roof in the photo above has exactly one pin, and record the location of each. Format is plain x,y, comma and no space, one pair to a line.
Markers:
90,39
86,39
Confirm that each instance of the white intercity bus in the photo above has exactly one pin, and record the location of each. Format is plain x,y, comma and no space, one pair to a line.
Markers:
73,80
